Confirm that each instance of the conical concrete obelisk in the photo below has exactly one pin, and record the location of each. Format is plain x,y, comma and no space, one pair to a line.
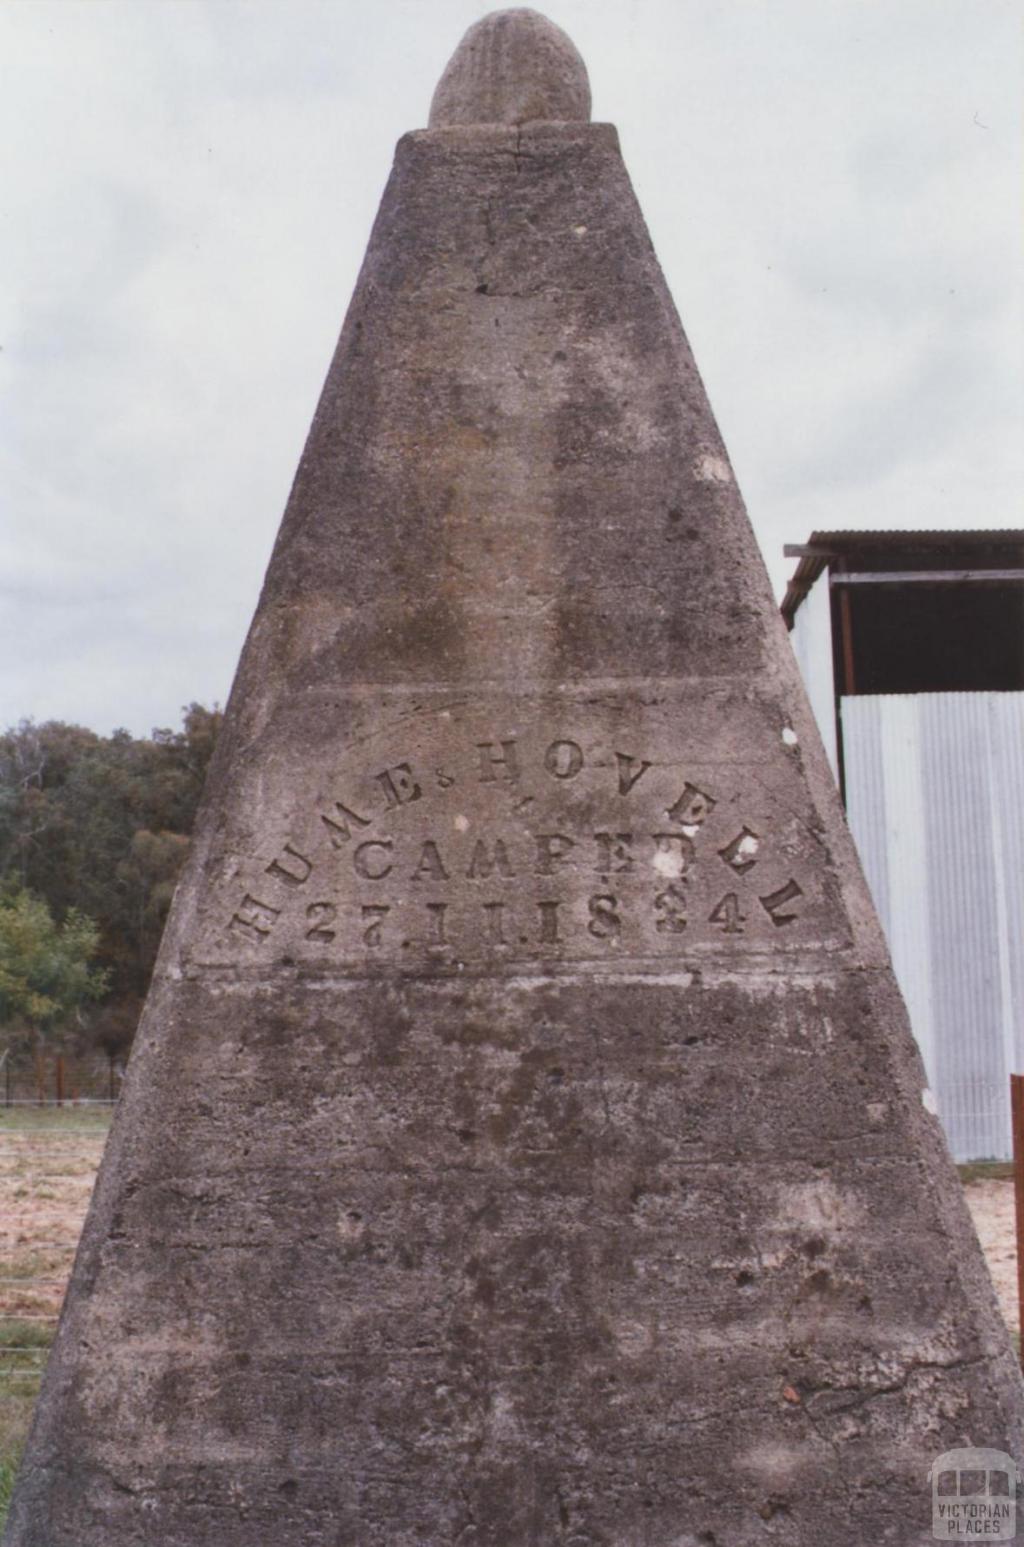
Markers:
524,1143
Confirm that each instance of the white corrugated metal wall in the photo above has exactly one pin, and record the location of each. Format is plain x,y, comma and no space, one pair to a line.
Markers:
935,799
812,641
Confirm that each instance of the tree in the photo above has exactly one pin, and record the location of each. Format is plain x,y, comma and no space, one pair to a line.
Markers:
45,975
101,824
147,877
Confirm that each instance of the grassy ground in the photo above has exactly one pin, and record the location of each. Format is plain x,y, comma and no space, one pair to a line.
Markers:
23,1348
56,1120
986,1171
48,1160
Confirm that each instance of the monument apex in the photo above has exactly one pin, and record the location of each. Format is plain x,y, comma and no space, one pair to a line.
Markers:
510,68
524,1142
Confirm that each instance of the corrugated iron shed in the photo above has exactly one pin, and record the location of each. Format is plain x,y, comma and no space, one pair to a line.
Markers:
934,783
912,648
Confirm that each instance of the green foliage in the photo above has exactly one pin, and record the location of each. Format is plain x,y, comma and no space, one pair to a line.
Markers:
45,972
99,826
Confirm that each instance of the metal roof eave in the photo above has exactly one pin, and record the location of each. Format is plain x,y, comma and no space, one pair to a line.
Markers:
824,547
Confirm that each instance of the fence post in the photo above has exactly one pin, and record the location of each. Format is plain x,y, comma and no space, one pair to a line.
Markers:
1017,1114
59,1080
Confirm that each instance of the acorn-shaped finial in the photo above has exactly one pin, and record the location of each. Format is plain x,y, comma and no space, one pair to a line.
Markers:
512,67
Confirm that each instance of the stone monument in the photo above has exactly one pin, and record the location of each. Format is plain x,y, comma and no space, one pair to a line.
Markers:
524,1143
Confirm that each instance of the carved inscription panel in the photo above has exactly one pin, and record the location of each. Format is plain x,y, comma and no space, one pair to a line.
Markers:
448,837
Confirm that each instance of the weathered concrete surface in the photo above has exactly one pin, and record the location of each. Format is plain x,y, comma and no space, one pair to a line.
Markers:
512,67
524,1143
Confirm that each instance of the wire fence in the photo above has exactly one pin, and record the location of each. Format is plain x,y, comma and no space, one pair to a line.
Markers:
59,1079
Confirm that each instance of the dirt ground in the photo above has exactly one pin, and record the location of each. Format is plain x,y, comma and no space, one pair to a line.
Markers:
48,1161
47,1171
991,1206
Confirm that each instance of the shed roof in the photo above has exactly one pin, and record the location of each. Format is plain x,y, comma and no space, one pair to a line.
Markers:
824,548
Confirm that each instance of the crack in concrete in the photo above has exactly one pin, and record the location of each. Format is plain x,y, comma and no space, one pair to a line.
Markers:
913,1368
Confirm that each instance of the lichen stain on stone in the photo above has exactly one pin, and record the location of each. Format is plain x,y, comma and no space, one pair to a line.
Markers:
709,469
817,1205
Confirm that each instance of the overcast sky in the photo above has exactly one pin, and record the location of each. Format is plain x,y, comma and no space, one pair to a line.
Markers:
833,188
